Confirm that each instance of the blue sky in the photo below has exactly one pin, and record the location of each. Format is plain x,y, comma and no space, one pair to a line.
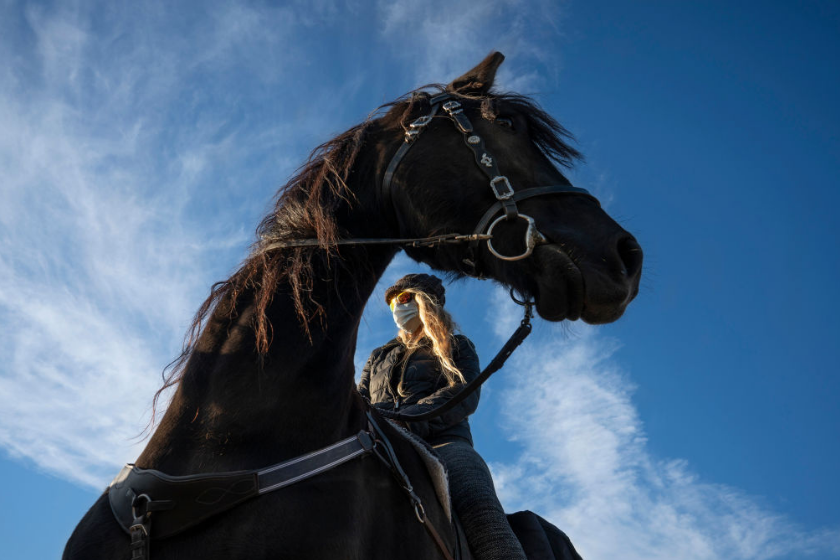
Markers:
140,145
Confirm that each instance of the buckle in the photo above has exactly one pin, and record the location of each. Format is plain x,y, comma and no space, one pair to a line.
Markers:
415,128
506,191
421,122
139,526
452,108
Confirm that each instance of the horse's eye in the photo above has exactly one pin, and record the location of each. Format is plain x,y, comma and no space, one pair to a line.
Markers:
504,121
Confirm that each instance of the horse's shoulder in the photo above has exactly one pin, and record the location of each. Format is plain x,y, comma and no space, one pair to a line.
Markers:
98,535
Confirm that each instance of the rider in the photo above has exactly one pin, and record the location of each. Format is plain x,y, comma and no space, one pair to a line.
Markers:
425,365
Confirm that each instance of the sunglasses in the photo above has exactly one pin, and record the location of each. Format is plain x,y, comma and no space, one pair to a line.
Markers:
401,298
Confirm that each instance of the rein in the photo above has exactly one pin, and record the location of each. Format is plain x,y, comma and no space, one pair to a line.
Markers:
415,242
517,338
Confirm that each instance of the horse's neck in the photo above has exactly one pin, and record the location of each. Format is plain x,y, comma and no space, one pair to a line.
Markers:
234,409
233,406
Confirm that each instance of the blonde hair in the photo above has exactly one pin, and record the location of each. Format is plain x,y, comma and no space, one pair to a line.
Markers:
439,328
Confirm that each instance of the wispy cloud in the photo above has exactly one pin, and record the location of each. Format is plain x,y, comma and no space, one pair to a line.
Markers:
126,175
448,38
585,465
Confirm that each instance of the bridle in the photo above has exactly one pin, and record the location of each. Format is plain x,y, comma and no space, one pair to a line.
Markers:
506,197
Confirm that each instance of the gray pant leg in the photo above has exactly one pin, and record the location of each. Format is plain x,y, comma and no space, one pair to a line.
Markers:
474,498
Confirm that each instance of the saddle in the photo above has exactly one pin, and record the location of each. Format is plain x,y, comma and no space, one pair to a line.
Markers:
540,539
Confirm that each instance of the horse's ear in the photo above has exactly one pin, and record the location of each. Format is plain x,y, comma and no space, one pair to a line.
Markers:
479,80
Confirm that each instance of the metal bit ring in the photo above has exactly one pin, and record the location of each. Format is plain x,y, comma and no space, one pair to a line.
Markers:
532,238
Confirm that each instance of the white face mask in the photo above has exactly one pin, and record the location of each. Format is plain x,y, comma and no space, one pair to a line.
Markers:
407,316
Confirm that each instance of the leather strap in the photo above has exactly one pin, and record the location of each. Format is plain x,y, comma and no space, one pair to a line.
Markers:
140,531
517,338
472,251
176,503
438,541
140,539
192,499
389,457
306,466
483,158
526,194
413,133
446,238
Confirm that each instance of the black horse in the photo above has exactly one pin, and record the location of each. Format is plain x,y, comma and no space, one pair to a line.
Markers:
268,371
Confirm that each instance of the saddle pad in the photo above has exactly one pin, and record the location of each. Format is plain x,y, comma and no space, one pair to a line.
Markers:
433,464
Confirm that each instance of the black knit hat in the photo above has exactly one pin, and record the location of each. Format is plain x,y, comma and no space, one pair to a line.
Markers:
426,283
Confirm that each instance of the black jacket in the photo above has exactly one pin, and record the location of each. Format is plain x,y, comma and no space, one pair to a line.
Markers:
424,384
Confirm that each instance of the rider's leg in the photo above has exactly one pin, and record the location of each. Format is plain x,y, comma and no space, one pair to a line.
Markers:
474,498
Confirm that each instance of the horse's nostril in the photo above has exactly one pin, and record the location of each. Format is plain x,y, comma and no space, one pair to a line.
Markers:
631,256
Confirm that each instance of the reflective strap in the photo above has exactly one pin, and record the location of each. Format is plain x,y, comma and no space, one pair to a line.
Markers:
306,466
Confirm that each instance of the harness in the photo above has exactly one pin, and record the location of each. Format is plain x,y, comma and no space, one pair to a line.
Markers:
175,503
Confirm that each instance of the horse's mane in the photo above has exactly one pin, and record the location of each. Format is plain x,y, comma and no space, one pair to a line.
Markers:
305,208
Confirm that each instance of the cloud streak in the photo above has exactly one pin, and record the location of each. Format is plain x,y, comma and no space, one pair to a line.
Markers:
448,38
117,152
585,465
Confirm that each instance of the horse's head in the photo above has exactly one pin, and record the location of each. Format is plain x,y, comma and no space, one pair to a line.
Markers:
583,264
